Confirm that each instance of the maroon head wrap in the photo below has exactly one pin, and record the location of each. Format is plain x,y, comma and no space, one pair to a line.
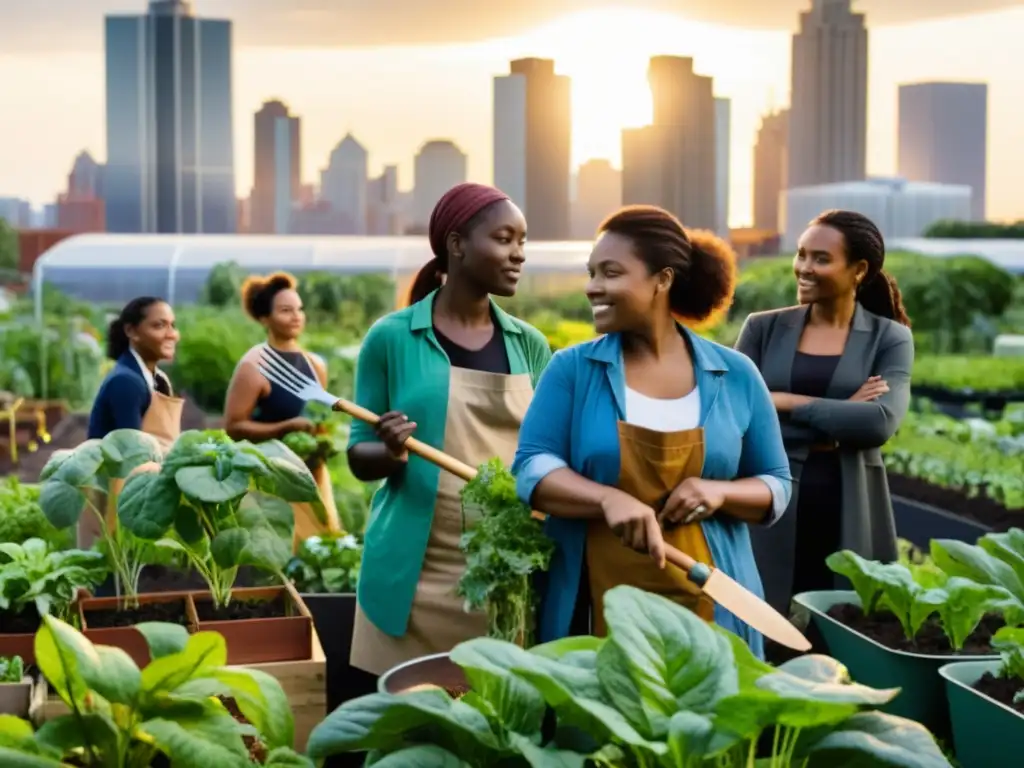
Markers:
455,208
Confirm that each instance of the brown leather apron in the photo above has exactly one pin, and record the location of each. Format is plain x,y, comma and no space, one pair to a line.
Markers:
161,420
653,463
485,411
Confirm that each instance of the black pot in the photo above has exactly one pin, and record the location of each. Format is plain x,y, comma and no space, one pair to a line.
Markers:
334,617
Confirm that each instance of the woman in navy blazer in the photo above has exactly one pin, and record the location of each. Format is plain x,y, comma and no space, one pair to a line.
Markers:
613,446
140,338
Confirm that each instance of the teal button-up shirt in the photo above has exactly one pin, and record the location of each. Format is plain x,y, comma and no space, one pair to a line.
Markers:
402,367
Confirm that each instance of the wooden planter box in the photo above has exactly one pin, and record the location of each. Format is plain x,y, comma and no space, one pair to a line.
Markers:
127,638
23,645
920,523
16,698
985,732
258,641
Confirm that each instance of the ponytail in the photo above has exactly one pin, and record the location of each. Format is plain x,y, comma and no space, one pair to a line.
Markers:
134,312
428,279
881,296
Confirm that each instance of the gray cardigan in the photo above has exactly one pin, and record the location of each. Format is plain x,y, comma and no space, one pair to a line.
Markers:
876,347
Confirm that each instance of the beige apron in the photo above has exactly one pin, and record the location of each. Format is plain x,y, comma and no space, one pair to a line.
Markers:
161,420
652,465
485,411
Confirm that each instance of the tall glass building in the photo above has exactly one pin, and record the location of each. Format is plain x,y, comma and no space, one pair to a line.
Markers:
170,142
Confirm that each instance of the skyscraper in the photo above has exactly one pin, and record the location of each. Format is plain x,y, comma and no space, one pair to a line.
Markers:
598,195
439,166
278,168
723,133
771,162
170,146
343,184
943,136
673,162
828,116
532,129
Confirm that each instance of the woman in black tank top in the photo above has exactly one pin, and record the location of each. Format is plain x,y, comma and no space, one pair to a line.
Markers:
255,409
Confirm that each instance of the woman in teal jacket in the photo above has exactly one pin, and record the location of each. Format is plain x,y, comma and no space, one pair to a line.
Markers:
458,372
650,433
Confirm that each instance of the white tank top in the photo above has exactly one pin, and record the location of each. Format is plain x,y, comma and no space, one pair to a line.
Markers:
673,415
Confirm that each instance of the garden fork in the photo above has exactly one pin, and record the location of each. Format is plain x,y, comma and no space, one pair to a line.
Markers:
279,371
717,585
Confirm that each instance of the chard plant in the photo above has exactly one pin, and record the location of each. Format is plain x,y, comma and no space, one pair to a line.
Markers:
35,577
79,481
960,603
326,565
221,504
12,669
663,690
123,717
504,546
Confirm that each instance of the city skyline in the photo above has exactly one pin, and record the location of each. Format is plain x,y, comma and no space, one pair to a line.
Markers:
392,129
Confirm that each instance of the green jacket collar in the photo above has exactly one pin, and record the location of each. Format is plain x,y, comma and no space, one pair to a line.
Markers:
423,315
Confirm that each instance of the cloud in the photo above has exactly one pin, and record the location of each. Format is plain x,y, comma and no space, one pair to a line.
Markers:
46,25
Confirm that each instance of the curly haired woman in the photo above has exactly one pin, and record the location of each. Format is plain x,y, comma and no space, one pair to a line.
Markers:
650,433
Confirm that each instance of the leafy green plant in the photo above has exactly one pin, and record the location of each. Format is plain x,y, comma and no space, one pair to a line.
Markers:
326,564
504,547
960,603
124,717
79,480
12,669
1009,641
21,517
34,576
325,443
221,504
663,690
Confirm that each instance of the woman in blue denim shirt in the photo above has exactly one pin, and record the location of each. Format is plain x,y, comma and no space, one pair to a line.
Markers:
650,433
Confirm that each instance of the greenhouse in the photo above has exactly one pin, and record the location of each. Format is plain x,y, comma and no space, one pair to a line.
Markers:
115,268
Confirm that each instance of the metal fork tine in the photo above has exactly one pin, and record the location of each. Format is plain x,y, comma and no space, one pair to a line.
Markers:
276,363
273,378
285,371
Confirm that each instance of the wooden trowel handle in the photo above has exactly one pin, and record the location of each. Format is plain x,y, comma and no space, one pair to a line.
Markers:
448,463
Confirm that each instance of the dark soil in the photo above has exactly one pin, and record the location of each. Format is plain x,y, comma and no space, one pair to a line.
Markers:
981,509
172,613
884,628
240,610
1002,689
24,623
257,749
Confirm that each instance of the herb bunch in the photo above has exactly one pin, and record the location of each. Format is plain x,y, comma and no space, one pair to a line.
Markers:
503,549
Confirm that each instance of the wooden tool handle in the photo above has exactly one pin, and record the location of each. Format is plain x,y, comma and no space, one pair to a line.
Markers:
698,572
448,463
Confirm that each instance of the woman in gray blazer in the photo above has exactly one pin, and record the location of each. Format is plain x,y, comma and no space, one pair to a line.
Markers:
838,366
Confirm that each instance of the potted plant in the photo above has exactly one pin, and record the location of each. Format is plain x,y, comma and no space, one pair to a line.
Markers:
663,689
986,703
325,571
224,505
36,581
900,624
185,708
15,687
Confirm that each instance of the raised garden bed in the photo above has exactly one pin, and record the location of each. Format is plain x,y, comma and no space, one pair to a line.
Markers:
919,523
875,651
987,727
261,624
106,620
18,634
981,511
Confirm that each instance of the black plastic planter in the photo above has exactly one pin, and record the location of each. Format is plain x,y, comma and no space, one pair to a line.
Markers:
334,616
920,523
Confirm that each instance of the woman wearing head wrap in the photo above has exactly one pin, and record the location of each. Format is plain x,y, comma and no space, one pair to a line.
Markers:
458,372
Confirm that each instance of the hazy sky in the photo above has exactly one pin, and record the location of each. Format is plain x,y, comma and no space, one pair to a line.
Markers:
333,68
